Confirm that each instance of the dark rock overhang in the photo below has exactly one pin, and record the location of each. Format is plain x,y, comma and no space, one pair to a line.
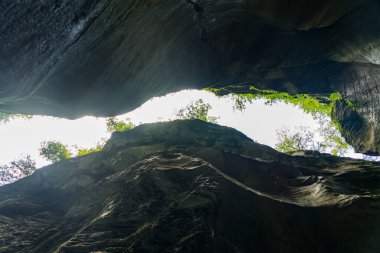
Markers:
98,57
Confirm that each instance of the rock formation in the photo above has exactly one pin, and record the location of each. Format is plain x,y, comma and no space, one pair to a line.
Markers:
191,186
68,58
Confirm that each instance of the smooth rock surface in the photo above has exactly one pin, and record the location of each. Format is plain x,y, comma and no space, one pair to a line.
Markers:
99,57
191,186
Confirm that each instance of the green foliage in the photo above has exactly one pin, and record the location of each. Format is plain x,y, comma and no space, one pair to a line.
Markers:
332,140
114,125
320,107
303,138
240,102
86,151
335,96
306,102
197,110
313,105
54,151
6,117
17,170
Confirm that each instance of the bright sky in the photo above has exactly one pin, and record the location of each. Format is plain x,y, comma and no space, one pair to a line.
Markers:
258,121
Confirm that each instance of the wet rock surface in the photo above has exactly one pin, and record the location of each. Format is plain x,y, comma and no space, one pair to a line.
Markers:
69,58
190,186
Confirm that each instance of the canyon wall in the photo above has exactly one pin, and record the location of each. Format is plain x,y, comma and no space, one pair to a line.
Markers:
99,57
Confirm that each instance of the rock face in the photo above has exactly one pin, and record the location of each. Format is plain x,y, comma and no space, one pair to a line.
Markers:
190,186
69,58
356,130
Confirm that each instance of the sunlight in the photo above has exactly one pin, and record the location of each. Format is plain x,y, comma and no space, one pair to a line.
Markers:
258,121
24,136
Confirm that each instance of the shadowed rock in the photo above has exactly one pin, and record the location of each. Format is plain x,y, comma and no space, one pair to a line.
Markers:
190,186
99,57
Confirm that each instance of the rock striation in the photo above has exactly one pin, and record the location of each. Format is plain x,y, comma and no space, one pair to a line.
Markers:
69,58
191,186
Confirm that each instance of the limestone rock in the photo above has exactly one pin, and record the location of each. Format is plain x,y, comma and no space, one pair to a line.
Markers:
68,58
191,186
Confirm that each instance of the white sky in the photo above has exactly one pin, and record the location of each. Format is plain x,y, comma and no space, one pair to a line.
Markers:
258,121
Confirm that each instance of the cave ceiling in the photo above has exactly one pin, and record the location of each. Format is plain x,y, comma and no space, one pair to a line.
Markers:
100,57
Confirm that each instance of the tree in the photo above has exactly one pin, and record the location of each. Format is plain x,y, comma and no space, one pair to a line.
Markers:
332,139
17,170
197,110
327,138
301,139
114,125
54,151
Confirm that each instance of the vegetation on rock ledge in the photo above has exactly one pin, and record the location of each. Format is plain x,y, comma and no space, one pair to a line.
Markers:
6,117
114,125
320,107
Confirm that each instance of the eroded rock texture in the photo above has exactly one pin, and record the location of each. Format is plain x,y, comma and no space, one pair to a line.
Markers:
190,186
101,57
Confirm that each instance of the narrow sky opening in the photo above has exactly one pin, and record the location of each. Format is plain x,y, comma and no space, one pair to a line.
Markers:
258,121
